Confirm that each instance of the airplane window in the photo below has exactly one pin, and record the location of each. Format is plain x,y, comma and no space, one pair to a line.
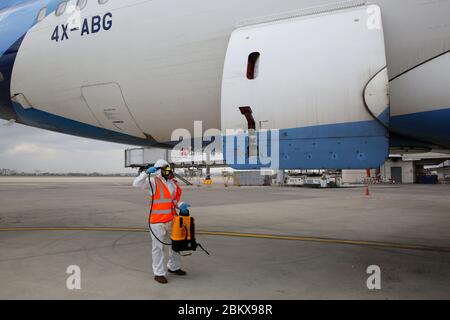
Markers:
252,65
61,8
81,4
102,1
41,14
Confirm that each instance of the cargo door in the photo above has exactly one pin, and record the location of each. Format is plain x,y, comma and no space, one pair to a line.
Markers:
108,106
318,80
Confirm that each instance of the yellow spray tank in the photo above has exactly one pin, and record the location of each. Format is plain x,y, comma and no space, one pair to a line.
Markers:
183,233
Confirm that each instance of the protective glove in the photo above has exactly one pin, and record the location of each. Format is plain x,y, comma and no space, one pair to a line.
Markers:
151,170
184,207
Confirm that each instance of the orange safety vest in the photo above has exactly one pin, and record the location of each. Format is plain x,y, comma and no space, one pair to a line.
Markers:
164,203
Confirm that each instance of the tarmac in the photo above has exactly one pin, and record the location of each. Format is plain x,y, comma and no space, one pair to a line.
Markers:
265,242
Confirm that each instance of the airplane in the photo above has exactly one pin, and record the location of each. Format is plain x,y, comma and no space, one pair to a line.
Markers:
342,83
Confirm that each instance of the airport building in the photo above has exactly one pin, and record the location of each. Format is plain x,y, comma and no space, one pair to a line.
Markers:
430,168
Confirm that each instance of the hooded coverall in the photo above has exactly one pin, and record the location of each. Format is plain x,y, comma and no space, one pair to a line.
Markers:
161,230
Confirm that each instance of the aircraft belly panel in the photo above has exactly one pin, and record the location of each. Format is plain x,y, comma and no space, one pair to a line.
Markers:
107,104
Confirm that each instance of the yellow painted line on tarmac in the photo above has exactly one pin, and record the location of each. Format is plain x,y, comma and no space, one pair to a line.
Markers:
94,229
246,235
326,240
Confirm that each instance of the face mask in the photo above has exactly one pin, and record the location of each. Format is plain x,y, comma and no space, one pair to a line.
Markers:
167,173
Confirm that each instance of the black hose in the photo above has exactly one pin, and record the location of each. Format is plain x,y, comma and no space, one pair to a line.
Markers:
204,250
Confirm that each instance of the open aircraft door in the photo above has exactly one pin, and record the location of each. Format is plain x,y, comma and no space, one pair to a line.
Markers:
317,80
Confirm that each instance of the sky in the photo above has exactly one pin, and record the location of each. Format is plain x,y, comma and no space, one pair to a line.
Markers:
28,149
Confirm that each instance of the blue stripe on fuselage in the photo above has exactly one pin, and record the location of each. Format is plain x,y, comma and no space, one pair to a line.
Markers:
15,21
11,3
44,120
17,17
352,145
430,126
6,66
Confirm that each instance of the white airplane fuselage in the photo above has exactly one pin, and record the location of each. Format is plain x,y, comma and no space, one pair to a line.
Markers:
160,63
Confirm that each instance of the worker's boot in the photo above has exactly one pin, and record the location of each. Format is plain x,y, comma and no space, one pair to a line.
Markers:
178,272
161,279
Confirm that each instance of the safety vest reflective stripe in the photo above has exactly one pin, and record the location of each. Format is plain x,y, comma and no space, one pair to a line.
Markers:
162,212
162,201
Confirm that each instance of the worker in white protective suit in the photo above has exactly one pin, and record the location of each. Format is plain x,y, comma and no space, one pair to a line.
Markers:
165,200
